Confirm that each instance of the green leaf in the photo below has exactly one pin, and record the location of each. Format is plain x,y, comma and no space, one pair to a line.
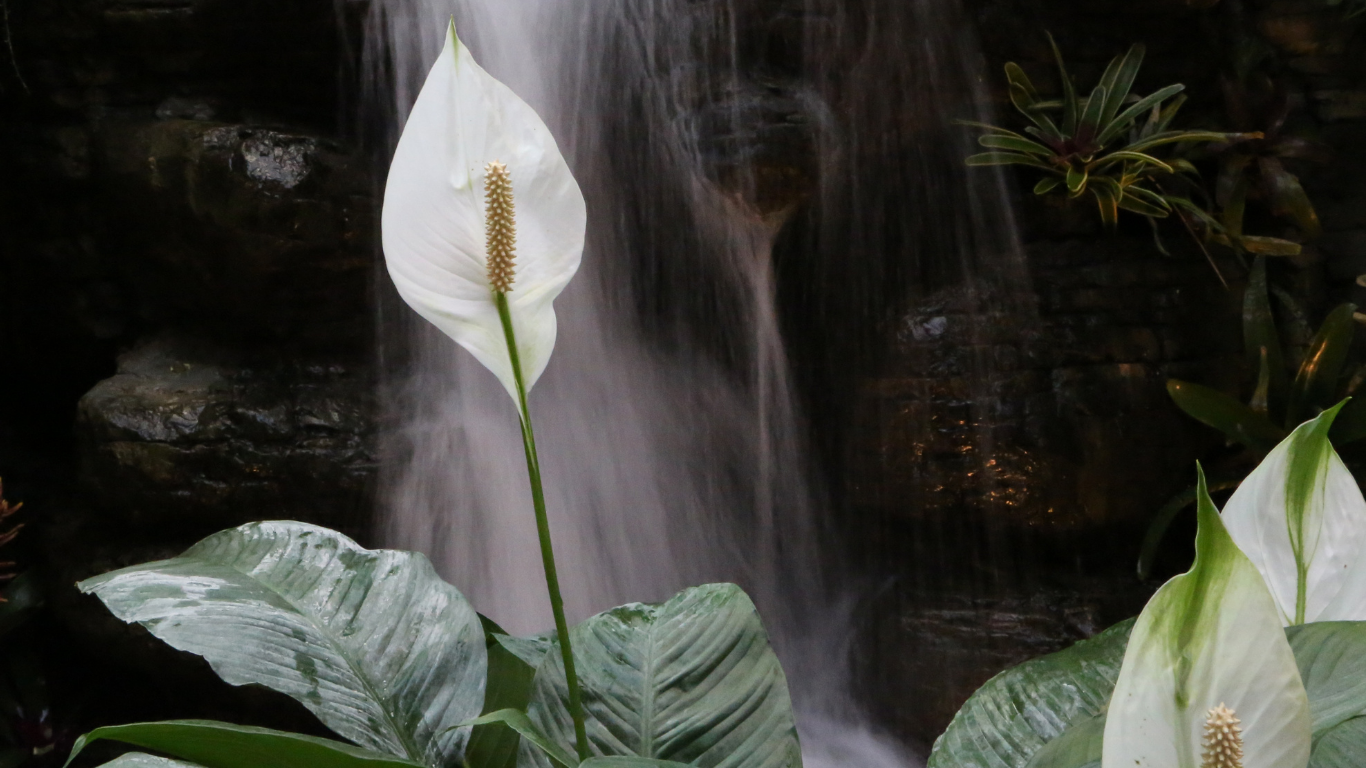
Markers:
1078,747
1047,184
1018,144
1006,158
1090,116
1210,637
989,128
1260,333
1316,383
1287,197
143,760
1216,409
1184,137
1015,75
1118,85
626,761
1076,180
509,687
374,643
1070,108
518,722
1268,246
1331,656
1341,747
1123,119
692,680
1138,157
1301,520
1010,718
1106,192
224,745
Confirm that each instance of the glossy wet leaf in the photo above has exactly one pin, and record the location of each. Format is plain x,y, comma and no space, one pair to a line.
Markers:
144,760
692,680
1090,116
628,762
374,643
1209,637
517,721
1078,747
1016,713
1226,414
1316,384
1331,656
1301,520
1269,246
223,745
1341,747
494,744
1107,193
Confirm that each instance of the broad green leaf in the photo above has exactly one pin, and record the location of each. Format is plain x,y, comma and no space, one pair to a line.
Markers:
1076,180
1224,413
1260,333
692,680
383,651
1090,116
622,761
1123,119
1078,747
1316,383
1331,656
1209,637
517,721
143,760
1301,521
494,745
224,745
1341,747
1017,144
1016,713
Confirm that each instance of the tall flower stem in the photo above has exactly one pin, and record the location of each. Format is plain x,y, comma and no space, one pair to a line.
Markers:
552,579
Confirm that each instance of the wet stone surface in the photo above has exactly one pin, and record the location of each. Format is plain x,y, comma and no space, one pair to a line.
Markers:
188,440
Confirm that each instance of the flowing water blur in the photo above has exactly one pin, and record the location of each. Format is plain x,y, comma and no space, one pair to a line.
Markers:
673,446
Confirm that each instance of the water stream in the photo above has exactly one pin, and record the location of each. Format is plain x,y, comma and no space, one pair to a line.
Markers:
673,444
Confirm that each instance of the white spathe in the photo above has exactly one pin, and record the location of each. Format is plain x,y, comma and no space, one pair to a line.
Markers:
1301,519
433,219
1209,637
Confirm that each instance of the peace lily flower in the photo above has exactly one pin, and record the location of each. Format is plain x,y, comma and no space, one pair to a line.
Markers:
1301,519
435,232
483,226
1208,679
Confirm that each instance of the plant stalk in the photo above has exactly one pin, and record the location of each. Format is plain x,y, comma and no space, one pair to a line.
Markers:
552,579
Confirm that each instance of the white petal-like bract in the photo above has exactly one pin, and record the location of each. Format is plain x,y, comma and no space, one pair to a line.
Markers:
1209,637
433,218
1301,519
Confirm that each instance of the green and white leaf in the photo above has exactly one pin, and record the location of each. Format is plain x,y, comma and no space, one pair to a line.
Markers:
1011,718
144,760
692,680
1209,637
374,643
1301,519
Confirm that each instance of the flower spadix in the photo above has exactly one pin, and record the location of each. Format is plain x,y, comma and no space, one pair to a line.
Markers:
444,225
1301,519
1207,655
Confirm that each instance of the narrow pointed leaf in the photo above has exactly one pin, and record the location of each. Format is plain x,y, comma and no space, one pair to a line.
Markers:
1015,75
433,217
1226,414
1015,144
1316,383
1301,520
1076,180
989,128
1260,333
1006,158
1047,184
1142,207
1288,198
1106,192
518,722
1209,637
374,643
1070,108
1089,126
1138,157
1124,119
1011,718
1236,207
1117,90
691,680
223,745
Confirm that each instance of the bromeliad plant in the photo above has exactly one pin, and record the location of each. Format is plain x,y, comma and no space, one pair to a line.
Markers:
1255,657
483,228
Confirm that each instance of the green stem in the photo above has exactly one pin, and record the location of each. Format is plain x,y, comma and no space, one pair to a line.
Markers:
552,579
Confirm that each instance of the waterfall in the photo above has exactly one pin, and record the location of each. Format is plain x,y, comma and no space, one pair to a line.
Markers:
672,441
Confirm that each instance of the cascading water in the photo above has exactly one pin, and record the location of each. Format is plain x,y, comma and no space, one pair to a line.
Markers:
671,439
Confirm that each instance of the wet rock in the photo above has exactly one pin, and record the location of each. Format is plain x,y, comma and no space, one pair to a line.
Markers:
202,439
242,232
